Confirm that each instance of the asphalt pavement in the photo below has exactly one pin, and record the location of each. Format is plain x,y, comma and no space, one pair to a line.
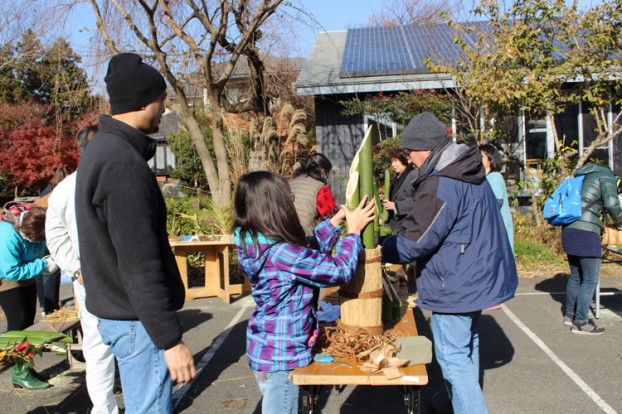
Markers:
530,362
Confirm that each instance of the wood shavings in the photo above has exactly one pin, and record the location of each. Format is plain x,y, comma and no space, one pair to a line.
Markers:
357,345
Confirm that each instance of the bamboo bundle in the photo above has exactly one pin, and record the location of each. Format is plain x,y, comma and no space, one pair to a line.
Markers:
361,299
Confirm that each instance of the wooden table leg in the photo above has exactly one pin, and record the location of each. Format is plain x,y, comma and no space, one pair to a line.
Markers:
412,398
309,400
182,265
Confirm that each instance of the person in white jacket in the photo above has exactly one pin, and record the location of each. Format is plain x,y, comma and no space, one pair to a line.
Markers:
62,240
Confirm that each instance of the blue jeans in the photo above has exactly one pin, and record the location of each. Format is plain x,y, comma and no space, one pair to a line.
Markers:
456,345
280,395
145,378
584,275
48,291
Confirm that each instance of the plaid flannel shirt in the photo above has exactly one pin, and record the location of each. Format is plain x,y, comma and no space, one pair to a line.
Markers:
280,331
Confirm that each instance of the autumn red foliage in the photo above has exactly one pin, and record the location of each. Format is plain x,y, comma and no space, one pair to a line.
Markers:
32,148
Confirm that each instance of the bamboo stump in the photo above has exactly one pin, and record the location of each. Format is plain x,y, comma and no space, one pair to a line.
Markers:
361,299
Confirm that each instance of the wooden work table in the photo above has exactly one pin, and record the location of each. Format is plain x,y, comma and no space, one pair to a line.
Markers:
312,377
216,264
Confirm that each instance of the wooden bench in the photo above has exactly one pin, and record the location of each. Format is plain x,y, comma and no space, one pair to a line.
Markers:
314,376
71,328
216,264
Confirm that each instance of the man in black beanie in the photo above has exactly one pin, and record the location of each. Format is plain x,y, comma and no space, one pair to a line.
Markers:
464,260
131,278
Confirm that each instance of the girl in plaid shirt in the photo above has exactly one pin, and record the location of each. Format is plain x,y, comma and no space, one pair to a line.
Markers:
284,267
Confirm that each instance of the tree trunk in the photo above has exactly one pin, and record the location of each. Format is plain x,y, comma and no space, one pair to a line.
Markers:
221,192
605,134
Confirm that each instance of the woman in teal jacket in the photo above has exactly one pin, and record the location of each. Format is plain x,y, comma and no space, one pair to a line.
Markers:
493,163
582,244
22,250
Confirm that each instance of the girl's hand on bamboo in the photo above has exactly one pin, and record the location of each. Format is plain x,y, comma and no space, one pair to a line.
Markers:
361,216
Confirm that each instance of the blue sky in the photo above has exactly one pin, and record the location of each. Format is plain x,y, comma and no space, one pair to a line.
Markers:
329,15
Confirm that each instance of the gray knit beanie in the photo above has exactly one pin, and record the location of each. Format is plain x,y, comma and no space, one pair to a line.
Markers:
424,132
132,84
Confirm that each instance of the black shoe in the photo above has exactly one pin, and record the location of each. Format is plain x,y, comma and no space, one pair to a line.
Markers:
588,328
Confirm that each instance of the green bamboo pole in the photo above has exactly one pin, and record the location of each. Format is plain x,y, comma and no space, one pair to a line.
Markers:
387,193
355,199
379,209
366,187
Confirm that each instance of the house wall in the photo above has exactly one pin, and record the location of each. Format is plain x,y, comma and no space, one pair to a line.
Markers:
338,137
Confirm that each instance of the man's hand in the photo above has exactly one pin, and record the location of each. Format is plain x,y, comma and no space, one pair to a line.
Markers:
388,205
180,363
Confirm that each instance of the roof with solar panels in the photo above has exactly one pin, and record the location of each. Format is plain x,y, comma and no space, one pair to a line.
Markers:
379,58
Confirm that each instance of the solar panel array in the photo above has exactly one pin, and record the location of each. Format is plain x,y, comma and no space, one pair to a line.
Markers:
396,50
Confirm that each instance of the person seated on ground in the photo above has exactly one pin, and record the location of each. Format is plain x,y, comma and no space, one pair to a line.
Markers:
22,258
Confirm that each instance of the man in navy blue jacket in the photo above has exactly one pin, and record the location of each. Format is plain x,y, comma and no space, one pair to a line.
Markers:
465,263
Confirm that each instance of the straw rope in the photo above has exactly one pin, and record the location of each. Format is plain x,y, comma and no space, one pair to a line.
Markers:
374,294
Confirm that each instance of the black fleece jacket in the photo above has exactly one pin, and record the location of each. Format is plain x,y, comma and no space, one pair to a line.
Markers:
128,267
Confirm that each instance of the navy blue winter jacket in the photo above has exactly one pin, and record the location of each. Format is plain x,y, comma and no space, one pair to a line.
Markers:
456,235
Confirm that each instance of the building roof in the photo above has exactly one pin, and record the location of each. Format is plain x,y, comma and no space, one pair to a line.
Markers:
169,123
389,58
376,59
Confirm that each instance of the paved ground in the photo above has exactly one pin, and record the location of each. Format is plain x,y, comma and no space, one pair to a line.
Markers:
531,363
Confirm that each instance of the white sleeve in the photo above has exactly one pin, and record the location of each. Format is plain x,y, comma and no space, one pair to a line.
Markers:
60,226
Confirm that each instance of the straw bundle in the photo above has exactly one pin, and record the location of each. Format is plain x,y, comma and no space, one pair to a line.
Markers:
361,299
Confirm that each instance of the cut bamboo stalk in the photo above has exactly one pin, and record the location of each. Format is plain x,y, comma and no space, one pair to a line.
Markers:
379,209
387,193
366,187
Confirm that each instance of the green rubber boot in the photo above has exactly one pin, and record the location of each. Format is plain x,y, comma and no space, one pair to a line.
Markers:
24,378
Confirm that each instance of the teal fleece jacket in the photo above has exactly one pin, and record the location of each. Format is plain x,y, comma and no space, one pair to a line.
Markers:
19,259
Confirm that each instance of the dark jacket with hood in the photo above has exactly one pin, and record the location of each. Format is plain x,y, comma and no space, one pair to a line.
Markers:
598,193
128,266
401,195
456,235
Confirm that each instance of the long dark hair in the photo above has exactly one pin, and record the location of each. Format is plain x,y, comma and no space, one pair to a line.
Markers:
316,166
494,156
263,204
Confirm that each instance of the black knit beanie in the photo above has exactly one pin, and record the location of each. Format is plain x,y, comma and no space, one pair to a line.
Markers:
424,132
132,84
